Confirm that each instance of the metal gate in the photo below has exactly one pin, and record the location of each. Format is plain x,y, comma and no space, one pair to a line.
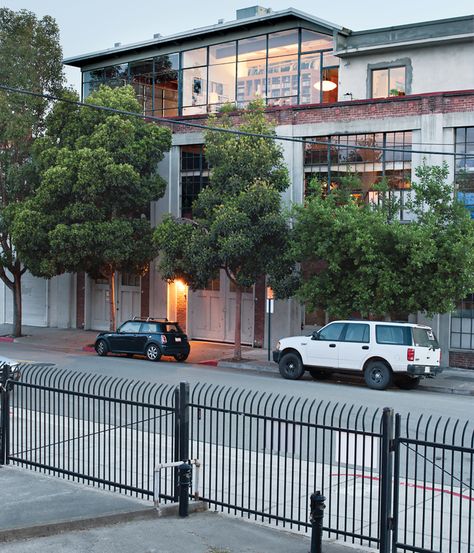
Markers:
394,483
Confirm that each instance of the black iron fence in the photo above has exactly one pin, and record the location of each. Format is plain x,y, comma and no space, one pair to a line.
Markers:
391,483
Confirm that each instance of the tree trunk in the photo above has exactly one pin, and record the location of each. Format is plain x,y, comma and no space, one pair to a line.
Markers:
17,307
238,324
113,310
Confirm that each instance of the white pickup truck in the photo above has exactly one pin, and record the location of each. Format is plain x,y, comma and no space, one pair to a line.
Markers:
384,352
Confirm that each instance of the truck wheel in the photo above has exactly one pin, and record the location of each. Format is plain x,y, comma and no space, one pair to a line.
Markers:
407,382
319,375
290,366
378,375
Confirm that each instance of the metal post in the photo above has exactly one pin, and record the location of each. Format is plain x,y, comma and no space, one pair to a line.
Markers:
185,475
181,430
386,481
269,328
317,507
4,415
396,476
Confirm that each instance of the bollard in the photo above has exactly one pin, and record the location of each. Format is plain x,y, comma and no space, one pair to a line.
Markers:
317,513
185,476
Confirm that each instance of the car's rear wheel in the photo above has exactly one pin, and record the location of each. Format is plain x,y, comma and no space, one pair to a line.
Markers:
291,366
101,348
407,382
181,357
153,352
378,375
318,374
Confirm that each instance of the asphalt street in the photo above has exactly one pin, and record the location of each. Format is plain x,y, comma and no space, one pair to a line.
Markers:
413,402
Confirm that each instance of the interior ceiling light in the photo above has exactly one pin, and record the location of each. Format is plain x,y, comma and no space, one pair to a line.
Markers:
325,86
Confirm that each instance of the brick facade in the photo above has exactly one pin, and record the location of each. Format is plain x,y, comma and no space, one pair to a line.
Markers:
385,108
461,359
145,295
80,299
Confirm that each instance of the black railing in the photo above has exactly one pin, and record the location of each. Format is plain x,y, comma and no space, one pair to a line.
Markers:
261,455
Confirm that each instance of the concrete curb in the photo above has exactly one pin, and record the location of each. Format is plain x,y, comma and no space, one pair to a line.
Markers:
85,523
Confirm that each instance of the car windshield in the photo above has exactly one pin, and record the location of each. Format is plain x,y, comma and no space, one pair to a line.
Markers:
424,337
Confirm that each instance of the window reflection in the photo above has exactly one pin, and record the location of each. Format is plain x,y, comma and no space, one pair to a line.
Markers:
388,82
267,66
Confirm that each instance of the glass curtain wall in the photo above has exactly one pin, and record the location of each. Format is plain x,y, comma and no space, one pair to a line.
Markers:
285,68
155,81
335,157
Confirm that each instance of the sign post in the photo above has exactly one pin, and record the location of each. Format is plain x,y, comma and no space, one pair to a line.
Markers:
270,307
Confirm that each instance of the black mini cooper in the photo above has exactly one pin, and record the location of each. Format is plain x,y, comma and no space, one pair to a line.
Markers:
150,337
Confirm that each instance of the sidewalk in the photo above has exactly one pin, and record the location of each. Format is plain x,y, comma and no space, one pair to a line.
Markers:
451,381
46,513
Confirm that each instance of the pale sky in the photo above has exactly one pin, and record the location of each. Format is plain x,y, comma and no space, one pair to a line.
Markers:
91,25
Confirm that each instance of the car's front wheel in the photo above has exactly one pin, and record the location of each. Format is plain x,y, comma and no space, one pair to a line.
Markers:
153,352
181,357
101,348
291,366
378,375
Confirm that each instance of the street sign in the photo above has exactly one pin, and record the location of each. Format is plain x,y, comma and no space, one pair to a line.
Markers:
270,305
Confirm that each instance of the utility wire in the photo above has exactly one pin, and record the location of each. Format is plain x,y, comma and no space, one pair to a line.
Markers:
236,132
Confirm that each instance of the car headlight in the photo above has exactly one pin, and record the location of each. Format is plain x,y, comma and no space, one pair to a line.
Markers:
278,346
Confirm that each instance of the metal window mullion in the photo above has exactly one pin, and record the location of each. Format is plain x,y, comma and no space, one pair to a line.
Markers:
180,84
321,76
298,90
236,72
266,69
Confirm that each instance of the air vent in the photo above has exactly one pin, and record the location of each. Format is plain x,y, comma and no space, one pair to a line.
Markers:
253,11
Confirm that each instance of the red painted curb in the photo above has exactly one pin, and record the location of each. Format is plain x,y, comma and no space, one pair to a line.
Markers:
89,349
210,362
6,339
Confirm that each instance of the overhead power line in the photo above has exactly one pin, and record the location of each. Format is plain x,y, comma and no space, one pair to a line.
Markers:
237,132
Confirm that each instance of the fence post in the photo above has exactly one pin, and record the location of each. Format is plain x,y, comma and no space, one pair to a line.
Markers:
181,430
386,481
4,415
396,480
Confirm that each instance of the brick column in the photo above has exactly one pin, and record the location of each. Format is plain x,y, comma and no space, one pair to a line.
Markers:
259,312
145,294
80,299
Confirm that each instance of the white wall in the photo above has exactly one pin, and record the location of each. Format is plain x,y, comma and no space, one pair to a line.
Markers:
435,69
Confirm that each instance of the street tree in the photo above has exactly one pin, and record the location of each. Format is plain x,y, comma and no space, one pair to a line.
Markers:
361,258
31,59
238,224
98,174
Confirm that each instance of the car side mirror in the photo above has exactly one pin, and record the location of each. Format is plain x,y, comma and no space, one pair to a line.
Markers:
315,335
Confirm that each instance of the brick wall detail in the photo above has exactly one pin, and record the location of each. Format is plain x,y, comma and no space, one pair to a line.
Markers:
80,299
145,295
461,359
181,308
399,106
259,312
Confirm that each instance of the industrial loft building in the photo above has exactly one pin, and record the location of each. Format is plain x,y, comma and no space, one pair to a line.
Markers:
410,87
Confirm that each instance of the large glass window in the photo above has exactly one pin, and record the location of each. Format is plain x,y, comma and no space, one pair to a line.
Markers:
462,324
464,167
277,66
334,157
222,70
388,82
141,78
166,99
194,176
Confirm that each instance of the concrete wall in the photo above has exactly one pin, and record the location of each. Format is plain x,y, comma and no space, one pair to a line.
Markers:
434,69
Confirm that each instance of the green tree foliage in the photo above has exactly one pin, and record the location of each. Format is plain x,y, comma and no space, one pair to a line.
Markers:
238,225
30,58
362,258
98,177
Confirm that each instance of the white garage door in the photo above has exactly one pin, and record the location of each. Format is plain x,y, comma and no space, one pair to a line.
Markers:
211,312
34,296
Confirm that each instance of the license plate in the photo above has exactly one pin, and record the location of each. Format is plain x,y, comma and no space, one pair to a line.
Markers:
177,339
427,369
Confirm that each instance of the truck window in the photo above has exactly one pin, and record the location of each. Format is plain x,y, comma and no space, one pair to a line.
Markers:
394,335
